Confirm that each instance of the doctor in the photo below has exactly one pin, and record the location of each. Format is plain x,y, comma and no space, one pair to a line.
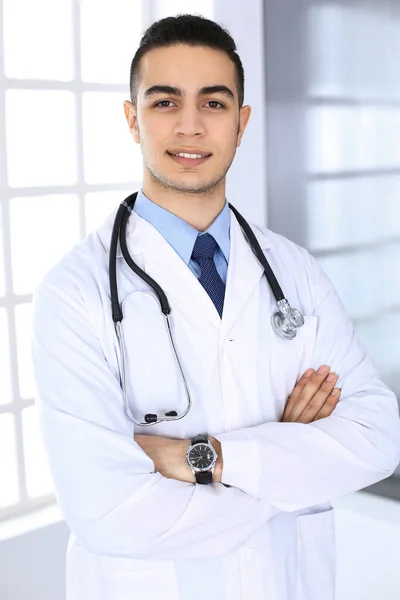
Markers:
275,446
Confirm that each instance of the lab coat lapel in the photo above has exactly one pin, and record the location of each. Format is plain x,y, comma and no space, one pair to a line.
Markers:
244,273
166,267
153,254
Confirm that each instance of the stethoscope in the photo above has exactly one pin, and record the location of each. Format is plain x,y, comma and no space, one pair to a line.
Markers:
285,321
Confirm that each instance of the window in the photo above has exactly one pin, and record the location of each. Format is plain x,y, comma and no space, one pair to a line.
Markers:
66,69
334,155
353,167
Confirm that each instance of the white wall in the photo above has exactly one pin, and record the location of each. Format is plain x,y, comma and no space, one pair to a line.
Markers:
247,179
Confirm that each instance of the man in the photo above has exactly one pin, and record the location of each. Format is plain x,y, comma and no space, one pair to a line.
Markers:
143,523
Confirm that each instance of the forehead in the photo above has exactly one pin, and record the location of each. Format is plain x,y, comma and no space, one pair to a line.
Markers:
187,67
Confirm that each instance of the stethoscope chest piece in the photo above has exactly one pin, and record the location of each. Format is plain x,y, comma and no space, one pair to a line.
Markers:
287,320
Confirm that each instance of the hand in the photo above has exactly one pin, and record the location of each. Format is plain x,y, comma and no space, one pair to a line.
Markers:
313,398
168,455
219,465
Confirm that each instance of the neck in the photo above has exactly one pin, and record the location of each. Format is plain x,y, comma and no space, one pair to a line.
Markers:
198,210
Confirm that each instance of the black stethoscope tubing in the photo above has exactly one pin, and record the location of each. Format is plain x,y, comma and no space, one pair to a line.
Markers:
119,229
285,321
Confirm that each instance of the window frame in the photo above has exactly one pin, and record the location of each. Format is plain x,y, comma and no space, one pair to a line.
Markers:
10,300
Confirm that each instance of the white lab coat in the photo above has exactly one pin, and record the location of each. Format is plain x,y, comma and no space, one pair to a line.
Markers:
139,535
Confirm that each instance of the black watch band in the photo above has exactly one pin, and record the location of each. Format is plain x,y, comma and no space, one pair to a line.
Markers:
199,438
204,477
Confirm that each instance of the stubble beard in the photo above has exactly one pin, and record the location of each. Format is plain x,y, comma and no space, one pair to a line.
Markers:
171,184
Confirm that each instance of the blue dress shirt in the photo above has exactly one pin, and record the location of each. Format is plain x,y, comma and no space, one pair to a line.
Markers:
182,236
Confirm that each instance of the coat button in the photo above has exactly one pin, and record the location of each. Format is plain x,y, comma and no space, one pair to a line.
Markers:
250,553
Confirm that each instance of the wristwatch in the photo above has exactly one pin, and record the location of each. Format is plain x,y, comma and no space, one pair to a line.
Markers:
201,458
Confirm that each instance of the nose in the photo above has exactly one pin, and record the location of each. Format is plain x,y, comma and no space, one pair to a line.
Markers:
189,122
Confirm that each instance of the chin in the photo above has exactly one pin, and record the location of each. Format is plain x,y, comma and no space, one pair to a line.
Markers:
193,187
185,183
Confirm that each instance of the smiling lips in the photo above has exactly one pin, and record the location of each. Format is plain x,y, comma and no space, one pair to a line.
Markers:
192,158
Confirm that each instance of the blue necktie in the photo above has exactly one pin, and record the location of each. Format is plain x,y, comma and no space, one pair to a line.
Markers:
203,253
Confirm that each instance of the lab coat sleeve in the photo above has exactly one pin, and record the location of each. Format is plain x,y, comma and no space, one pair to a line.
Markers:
296,465
108,492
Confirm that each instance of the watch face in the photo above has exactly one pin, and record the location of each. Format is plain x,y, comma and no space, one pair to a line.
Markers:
201,456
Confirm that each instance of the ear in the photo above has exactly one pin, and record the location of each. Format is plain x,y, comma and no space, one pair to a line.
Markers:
131,117
244,116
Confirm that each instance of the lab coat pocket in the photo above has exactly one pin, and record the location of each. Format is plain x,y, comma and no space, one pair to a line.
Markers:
316,562
289,361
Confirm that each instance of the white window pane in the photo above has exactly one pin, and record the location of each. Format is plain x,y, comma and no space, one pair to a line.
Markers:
381,337
329,41
359,279
350,212
110,154
357,138
391,207
38,39
343,62
38,478
5,373
390,264
98,205
23,326
40,132
43,229
204,8
9,492
119,24
2,274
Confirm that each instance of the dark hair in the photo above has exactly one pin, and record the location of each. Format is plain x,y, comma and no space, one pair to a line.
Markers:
191,30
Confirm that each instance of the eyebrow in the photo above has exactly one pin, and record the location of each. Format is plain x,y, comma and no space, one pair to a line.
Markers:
175,91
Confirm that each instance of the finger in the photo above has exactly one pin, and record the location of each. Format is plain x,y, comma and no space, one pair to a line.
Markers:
329,405
293,398
318,400
308,392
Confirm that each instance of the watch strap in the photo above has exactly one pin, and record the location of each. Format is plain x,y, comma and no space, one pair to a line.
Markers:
199,438
204,477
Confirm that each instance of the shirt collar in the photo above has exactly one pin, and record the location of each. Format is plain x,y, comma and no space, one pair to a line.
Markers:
179,234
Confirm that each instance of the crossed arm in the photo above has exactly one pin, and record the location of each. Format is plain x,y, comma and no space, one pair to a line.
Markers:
310,400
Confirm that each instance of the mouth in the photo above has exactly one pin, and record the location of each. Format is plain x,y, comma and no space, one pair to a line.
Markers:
189,159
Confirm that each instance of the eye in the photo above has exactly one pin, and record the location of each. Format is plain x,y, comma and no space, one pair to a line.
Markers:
214,102
163,103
